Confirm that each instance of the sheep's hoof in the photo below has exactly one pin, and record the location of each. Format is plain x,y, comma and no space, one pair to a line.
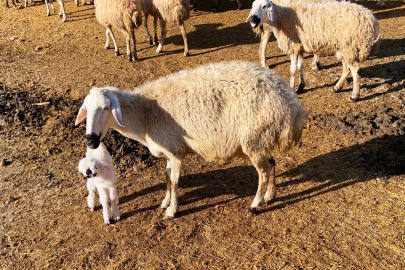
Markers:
186,54
167,217
214,10
91,209
130,58
117,53
151,42
335,89
354,99
301,88
194,8
253,210
117,218
107,221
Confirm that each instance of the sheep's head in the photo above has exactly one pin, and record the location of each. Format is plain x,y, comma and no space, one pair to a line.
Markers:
262,11
91,166
101,108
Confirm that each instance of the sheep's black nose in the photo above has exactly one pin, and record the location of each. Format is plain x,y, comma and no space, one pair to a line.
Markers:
88,172
95,174
92,140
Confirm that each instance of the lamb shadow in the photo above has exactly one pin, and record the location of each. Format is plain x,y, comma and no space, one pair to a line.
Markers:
379,157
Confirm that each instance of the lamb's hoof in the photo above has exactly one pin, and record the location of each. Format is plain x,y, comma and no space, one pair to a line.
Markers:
151,42
167,217
91,209
106,47
335,89
354,99
300,89
186,54
117,53
194,8
130,58
253,210
107,221
117,218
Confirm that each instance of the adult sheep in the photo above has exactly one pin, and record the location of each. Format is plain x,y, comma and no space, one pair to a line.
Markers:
219,111
125,15
322,29
175,11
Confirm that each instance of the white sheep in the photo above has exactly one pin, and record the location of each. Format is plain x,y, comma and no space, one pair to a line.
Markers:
84,2
215,10
97,166
48,12
322,29
125,15
175,11
219,111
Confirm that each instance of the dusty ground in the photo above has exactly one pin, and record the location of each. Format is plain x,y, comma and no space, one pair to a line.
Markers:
341,195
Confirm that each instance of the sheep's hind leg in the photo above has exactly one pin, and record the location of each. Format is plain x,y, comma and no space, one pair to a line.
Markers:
133,40
184,34
343,77
91,198
62,10
271,187
48,12
263,168
300,65
126,35
293,69
316,63
166,202
145,26
163,35
109,31
175,165
356,81
263,43
155,38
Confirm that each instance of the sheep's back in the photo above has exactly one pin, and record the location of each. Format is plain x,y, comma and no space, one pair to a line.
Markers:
117,13
175,11
225,108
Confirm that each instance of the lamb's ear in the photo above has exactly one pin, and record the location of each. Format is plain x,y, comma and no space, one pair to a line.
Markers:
270,10
81,115
116,109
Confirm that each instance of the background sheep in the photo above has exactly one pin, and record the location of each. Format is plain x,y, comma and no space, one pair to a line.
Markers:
175,11
12,1
61,10
125,15
321,28
199,111
84,2
215,7
97,166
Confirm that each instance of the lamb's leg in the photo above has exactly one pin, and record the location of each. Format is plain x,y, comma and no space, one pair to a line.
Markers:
114,204
175,165
239,4
155,38
62,10
354,68
132,34
166,201
263,44
316,64
343,77
91,198
104,200
163,35
47,8
263,168
271,187
300,65
293,68
184,34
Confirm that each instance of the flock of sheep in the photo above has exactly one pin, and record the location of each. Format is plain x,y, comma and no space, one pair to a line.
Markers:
199,110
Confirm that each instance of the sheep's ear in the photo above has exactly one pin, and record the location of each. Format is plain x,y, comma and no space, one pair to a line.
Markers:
116,110
81,115
270,11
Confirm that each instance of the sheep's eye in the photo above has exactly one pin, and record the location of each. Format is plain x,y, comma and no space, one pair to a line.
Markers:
106,108
96,168
264,7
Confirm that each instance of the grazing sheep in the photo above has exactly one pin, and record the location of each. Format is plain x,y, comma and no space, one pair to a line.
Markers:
219,111
175,11
97,166
125,15
215,10
321,28
61,11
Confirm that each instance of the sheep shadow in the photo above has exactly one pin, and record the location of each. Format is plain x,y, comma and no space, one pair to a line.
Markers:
380,157
223,6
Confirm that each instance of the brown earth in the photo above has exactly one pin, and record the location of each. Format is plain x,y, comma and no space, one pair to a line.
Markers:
341,195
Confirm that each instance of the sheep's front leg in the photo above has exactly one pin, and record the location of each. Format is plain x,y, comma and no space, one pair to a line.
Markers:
316,63
293,68
354,68
133,40
109,31
184,34
62,10
126,35
48,12
114,204
163,35
155,38
104,200
145,26
263,168
91,198
263,44
343,77
300,65
166,202
175,165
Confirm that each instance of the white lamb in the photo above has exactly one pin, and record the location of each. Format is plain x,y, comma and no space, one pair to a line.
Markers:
97,166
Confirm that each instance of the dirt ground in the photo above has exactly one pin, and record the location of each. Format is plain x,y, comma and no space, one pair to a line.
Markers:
341,195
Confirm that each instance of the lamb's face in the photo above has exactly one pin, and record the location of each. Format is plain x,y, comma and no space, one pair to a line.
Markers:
262,11
99,110
89,167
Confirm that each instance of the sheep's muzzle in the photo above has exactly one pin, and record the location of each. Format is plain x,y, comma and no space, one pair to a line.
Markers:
254,21
92,141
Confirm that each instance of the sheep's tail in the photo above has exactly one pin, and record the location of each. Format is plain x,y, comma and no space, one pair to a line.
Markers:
137,18
292,135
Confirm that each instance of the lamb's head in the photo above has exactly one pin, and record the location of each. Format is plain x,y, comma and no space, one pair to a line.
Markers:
92,166
101,107
261,12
